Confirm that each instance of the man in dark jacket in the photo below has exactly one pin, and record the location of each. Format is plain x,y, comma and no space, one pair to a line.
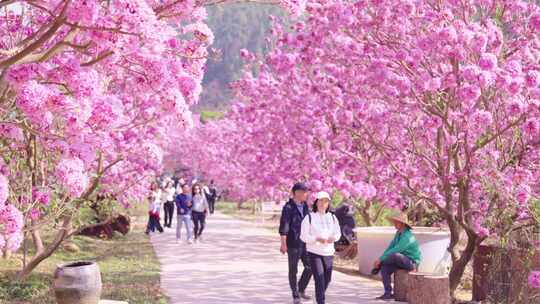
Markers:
289,228
211,196
184,202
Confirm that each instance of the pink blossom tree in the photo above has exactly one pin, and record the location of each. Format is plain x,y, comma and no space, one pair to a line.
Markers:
436,102
89,91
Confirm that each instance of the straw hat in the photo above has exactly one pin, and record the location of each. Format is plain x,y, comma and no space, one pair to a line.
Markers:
402,218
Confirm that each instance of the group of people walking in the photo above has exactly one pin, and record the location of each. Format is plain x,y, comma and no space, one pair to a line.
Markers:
308,233
309,236
192,203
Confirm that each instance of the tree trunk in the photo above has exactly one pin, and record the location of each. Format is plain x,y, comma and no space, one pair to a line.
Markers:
63,232
36,239
364,213
32,162
6,254
254,208
460,259
425,288
401,285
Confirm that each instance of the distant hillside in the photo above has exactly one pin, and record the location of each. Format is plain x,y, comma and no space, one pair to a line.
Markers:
235,26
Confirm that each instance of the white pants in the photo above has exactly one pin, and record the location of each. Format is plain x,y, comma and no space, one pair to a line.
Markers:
184,219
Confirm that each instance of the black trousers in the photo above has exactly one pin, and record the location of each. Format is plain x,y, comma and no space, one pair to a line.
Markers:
169,211
322,273
199,220
295,255
211,204
153,224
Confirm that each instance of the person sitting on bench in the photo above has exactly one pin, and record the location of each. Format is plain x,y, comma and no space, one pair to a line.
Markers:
402,253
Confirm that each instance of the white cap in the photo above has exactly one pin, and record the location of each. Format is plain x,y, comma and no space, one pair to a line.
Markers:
322,194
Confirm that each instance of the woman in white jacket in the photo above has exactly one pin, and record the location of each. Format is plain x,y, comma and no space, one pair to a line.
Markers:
168,195
320,230
154,207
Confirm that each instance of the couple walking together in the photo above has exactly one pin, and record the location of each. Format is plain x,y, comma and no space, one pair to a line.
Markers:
192,209
309,237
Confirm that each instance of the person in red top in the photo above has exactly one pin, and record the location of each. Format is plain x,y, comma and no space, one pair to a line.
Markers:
154,209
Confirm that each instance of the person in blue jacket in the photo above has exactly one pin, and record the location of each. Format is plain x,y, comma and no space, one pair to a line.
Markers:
184,202
290,228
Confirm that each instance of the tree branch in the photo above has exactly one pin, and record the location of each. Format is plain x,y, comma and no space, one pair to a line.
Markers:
39,42
100,57
483,143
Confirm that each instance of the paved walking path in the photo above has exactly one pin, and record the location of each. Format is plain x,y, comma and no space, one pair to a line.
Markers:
239,262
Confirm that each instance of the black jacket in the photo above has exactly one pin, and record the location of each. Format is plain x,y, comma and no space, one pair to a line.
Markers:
291,223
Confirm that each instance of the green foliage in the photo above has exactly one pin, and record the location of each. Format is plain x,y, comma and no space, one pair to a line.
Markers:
228,208
210,115
27,290
337,198
235,27
535,209
375,209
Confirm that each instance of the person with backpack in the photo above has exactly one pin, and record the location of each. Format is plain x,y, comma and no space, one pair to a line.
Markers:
292,214
184,202
320,230
345,216
211,196
199,211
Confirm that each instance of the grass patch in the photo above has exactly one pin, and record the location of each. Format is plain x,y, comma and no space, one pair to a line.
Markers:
228,208
128,264
245,211
208,115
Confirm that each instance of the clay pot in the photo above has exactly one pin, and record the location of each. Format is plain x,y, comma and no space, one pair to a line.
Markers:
77,283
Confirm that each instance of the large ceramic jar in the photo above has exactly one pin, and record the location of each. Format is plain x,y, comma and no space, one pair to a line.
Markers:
77,283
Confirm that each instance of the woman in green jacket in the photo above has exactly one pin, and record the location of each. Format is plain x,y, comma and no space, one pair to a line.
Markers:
402,253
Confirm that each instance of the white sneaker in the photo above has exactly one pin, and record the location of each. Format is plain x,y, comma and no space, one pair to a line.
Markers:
190,241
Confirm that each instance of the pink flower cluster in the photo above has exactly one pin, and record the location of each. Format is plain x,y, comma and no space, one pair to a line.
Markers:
365,191
534,279
4,189
71,174
11,225
402,106
110,80
41,196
